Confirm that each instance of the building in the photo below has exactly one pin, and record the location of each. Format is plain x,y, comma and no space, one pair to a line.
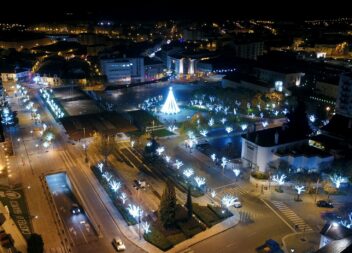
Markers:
344,98
336,136
326,89
21,41
272,74
181,65
192,34
123,70
335,238
258,148
245,81
185,63
153,69
16,75
249,50
267,148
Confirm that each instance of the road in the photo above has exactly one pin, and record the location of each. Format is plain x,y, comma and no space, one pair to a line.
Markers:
79,227
33,162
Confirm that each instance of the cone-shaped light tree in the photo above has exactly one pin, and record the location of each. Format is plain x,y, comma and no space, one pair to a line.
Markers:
170,106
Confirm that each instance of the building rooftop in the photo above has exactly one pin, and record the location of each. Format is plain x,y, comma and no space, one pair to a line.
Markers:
151,61
266,138
305,150
335,232
107,123
339,126
341,239
237,77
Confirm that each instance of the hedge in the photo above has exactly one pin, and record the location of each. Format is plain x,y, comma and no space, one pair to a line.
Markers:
191,227
220,212
130,220
208,217
158,239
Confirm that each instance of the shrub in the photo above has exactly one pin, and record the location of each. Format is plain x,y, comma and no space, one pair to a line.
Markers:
220,212
156,238
260,175
208,217
191,227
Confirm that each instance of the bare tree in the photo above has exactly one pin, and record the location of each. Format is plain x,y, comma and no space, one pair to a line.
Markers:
104,144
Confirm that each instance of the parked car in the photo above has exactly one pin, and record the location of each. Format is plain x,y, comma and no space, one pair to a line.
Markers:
75,209
118,244
324,203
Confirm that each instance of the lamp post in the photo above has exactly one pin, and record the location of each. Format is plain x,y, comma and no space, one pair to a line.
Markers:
316,190
85,152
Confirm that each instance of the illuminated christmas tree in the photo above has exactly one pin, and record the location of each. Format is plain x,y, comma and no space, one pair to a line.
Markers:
7,116
170,106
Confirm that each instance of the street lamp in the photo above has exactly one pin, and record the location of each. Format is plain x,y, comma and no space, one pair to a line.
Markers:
85,152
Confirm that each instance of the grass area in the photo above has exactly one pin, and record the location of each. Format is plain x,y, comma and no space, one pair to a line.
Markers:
120,207
142,119
206,215
222,213
158,239
162,133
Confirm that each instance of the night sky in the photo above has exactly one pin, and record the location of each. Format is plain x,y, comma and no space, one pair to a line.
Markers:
170,9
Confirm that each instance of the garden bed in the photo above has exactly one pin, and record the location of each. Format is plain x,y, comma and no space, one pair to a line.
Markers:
130,220
160,167
162,133
184,229
222,213
206,215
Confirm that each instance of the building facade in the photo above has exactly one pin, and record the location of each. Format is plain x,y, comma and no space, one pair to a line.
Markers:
123,70
344,97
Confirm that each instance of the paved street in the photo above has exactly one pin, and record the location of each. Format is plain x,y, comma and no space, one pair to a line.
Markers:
78,226
37,161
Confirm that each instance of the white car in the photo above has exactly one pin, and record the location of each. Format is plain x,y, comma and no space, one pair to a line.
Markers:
237,203
118,244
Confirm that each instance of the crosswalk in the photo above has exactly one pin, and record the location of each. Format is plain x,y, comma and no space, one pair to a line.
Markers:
298,222
235,191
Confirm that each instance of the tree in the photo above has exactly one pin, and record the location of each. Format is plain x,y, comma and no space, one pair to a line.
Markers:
167,208
35,244
298,124
189,204
104,144
329,188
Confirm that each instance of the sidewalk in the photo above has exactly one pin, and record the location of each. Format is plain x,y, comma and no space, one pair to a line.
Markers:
10,227
301,242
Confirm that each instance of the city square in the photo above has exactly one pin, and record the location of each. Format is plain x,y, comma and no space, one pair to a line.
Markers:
208,135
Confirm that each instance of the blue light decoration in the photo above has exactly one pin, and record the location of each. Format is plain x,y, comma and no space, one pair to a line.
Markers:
7,118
